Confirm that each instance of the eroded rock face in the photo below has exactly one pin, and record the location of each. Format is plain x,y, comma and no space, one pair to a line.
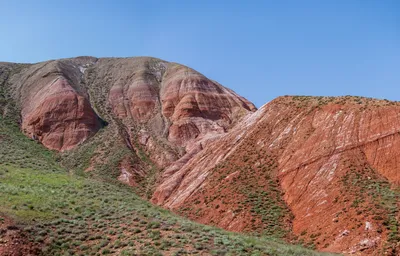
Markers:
52,103
328,157
164,107
170,103
59,117
197,106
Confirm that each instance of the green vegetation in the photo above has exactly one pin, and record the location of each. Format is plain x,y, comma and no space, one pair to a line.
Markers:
109,152
7,106
372,190
17,149
69,214
259,191
320,101
104,156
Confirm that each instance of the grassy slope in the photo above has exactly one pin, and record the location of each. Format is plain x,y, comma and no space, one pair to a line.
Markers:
73,215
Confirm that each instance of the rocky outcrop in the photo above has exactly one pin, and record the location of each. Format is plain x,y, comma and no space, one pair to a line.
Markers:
59,117
54,108
197,106
334,160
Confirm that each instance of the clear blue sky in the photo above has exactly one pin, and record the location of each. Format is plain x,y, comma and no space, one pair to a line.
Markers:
261,49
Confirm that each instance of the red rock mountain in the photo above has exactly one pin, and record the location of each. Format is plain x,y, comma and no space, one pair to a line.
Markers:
334,162
316,170
159,110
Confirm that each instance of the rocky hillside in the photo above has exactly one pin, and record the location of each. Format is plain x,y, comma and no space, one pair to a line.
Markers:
319,171
45,210
156,112
324,169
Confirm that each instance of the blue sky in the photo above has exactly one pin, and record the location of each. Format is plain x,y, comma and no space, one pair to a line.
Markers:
261,49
